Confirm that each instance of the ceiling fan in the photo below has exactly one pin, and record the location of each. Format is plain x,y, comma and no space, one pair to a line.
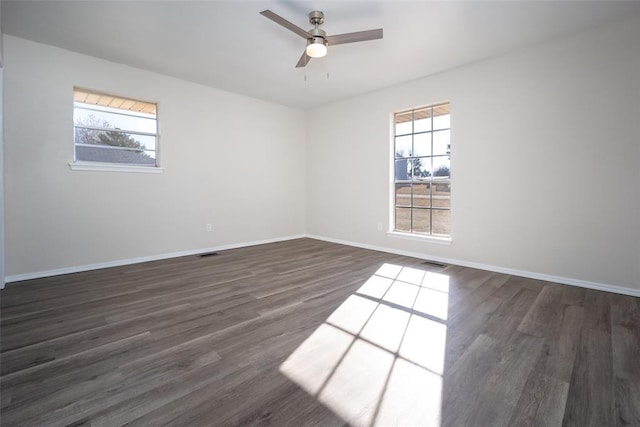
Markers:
317,39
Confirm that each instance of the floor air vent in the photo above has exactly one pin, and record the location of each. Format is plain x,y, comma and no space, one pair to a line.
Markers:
208,254
435,264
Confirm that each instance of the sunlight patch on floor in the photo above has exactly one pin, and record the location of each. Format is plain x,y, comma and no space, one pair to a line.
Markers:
353,314
378,359
413,397
355,388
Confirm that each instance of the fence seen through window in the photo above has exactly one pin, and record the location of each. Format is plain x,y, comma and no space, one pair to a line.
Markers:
422,171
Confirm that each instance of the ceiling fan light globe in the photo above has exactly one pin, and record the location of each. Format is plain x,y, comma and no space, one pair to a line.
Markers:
316,49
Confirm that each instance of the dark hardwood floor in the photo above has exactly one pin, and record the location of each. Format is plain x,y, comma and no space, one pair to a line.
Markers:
306,332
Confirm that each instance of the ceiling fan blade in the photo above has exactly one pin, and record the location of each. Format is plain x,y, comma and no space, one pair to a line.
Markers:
288,25
304,60
358,36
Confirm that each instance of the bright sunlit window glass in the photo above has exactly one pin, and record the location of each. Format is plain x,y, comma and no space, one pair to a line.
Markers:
422,171
111,129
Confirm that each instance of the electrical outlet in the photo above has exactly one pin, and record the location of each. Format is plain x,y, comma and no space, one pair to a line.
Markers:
209,227
379,226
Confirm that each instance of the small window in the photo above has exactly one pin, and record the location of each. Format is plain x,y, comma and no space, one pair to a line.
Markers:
422,171
114,130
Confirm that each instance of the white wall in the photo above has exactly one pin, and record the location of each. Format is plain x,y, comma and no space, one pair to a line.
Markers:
2,275
545,167
229,160
546,164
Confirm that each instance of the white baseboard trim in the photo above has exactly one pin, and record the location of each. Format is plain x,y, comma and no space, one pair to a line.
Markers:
121,262
532,275
539,276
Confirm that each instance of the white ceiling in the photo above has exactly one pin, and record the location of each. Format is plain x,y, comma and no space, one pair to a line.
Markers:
230,46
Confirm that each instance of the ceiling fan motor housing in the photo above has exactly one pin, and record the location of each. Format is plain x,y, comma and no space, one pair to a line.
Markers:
319,36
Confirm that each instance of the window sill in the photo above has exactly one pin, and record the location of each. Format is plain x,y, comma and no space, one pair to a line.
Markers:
430,239
110,167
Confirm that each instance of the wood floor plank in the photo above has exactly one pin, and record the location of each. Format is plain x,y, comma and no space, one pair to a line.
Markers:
542,402
560,349
67,345
237,339
139,404
544,317
625,343
472,369
597,304
545,393
468,328
506,319
591,400
498,395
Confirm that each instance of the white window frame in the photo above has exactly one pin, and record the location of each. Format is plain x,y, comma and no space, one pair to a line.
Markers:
413,235
84,165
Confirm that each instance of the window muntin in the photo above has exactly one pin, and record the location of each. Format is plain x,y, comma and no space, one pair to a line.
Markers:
114,130
422,171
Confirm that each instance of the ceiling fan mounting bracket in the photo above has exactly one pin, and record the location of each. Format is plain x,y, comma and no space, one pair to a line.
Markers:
316,17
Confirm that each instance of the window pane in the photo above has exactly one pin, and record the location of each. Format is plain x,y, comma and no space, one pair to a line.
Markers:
421,168
441,142
87,117
421,220
403,170
422,144
422,197
441,195
403,219
441,222
403,146
110,155
422,194
441,167
422,119
115,139
441,117
403,194
404,125
150,153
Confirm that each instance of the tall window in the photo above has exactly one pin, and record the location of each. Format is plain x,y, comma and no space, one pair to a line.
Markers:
111,129
422,171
